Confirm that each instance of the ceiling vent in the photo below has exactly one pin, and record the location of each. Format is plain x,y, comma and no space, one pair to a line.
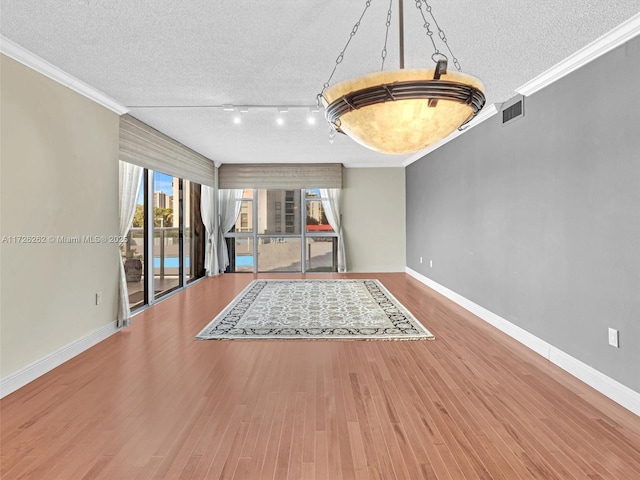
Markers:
512,109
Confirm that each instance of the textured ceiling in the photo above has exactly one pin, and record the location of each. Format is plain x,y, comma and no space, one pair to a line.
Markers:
174,63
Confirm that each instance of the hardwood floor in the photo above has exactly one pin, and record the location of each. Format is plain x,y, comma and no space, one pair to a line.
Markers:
153,403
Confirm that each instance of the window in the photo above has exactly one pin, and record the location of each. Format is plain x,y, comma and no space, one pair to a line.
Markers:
321,240
299,240
167,223
244,224
270,219
316,218
195,235
279,254
321,254
242,254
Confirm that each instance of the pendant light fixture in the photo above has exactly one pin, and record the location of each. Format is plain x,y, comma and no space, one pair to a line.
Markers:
406,110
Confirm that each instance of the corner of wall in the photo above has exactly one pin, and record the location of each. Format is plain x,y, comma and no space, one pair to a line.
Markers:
609,387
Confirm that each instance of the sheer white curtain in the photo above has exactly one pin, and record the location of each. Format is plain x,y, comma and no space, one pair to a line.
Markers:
209,212
331,202
229,211
130,176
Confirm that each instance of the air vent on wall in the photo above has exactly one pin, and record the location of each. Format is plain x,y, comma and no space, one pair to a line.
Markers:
512,109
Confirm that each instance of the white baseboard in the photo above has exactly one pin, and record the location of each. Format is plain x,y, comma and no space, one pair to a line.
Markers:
609,387
20,378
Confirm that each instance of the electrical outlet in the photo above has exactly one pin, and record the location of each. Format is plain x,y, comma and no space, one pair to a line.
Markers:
613,338
98,298
420,259
430,263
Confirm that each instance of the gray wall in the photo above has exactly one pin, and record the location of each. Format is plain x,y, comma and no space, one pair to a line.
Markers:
539,221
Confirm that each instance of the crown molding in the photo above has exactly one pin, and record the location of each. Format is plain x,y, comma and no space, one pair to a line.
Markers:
24,56
616,37
484,114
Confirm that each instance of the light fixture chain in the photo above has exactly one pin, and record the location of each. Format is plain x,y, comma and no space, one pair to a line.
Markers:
354,30
386,35
441,33
427,26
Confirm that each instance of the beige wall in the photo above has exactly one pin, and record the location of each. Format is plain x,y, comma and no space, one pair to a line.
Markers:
374,219
59,176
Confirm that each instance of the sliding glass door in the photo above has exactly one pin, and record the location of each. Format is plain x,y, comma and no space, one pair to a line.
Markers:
279,231
166,244
195,236
133,251
168,255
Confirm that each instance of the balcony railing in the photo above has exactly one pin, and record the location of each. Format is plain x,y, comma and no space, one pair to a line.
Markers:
166,249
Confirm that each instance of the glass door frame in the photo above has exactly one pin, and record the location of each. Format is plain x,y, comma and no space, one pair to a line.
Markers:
176,211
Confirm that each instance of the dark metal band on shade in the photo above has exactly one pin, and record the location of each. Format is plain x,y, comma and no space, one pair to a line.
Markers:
409,90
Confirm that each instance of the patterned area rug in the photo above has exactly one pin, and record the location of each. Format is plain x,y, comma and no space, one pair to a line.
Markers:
315,309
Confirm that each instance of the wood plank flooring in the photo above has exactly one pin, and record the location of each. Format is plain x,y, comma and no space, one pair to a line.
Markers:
153,403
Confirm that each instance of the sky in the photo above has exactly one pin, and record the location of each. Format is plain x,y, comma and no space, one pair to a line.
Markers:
161,183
